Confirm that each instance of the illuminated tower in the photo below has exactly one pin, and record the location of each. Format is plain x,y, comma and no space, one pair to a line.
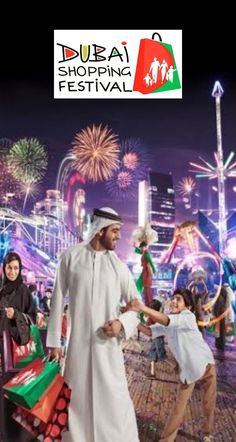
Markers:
221,171
217,94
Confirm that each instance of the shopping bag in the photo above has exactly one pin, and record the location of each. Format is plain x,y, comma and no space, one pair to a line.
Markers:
229,329
27,386
24,354
8,366
156,69
214,329
41,321
44,408
57,424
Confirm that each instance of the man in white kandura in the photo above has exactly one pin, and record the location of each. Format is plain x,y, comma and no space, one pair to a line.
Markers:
97,282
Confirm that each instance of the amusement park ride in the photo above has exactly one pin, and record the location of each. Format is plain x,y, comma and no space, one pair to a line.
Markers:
37,238
187,235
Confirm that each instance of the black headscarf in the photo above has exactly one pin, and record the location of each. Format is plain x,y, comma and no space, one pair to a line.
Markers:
16,295
10,286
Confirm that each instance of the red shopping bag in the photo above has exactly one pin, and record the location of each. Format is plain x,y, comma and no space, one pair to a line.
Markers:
24,354
44,408
56,426
18,356
156,70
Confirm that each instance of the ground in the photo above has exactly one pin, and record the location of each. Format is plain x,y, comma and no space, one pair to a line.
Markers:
153,398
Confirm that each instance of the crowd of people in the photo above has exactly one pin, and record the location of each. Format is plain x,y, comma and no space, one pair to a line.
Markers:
88,333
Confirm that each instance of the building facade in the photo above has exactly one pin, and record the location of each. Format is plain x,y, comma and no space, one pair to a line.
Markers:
157,206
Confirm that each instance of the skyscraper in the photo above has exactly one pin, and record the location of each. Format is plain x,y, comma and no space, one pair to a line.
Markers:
157,206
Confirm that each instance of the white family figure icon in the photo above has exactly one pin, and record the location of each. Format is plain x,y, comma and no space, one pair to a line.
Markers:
167,73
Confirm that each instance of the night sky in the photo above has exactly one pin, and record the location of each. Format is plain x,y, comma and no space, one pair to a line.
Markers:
174,131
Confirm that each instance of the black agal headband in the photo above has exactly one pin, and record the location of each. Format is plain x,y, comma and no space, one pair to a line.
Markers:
108,215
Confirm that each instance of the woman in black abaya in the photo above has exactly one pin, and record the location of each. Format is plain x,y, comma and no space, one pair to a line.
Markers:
16,303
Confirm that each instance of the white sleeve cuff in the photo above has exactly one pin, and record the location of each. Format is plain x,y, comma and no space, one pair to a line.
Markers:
53,339
130,321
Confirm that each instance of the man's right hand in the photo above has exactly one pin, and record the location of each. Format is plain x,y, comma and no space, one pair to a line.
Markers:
56,353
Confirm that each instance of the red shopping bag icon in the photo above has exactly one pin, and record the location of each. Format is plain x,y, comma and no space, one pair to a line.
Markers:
156,69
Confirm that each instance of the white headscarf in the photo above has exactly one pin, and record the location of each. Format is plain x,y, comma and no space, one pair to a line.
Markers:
100,221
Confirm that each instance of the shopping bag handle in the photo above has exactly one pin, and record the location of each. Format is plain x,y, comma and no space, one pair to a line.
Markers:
28,319
47,358
156,33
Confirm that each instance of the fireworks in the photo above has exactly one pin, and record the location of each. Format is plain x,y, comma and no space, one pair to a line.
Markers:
96,152
30,191
133,168
208,170
122,184
134,157
124,179
5,143
130,160
9,187
186,186
28,161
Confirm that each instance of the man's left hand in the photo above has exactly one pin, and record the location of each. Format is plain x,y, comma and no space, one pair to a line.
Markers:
112,328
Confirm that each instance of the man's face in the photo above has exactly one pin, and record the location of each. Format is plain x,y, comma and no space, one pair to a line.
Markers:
110,236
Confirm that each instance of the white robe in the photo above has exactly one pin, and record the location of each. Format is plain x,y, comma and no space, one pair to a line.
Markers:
101,409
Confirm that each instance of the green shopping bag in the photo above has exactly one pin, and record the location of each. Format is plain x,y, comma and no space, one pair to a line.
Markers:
214,329
22,355
27,386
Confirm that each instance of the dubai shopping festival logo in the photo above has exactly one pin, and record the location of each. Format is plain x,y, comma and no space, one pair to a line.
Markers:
117,64
156,70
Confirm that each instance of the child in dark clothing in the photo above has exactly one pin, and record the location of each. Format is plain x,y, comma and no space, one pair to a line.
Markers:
157,350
